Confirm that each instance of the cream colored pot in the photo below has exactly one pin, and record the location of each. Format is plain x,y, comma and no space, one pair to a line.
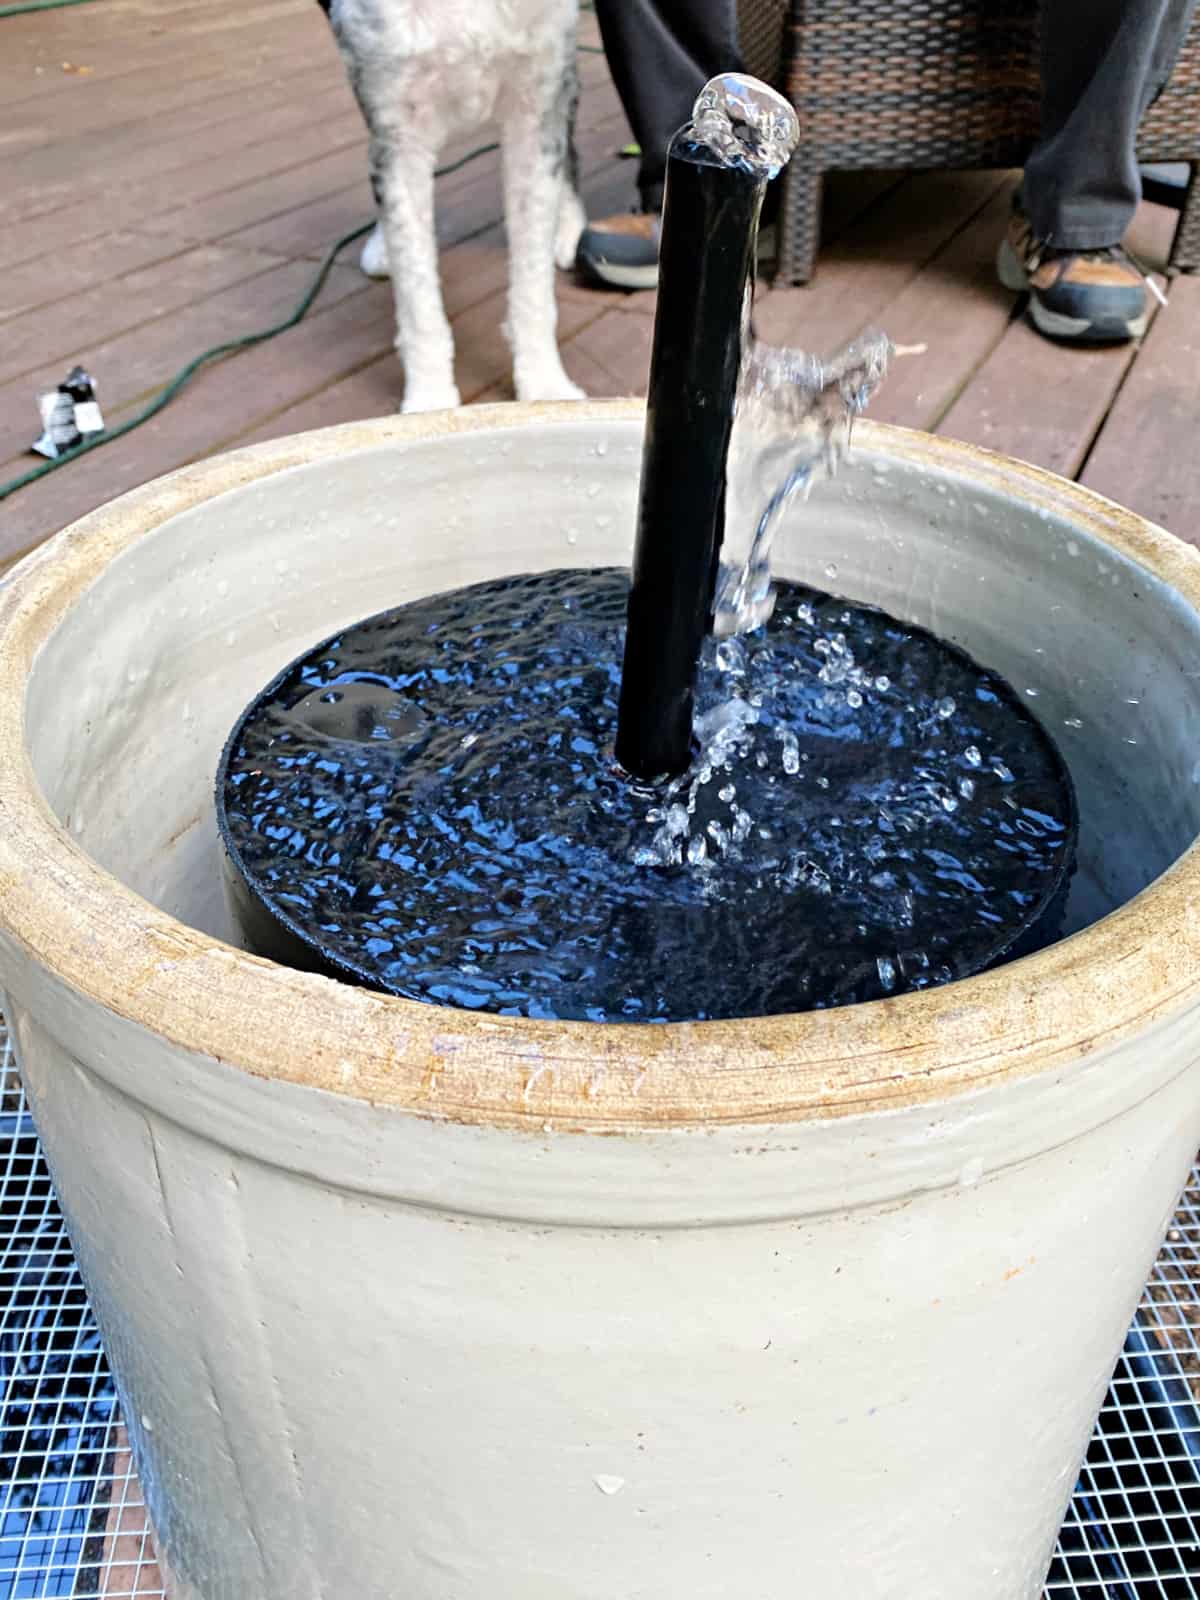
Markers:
413,1304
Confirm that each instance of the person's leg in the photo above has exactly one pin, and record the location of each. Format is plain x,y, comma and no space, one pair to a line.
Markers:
660,53
1103,62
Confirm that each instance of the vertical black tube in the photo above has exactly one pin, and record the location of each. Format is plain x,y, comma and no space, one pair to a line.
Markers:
706,267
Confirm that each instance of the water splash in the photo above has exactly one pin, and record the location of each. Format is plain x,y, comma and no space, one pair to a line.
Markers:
745,124
791,428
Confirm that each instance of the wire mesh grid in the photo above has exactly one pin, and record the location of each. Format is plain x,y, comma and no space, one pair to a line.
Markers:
73,1521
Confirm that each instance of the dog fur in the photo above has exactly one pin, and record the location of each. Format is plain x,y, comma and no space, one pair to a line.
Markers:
426,71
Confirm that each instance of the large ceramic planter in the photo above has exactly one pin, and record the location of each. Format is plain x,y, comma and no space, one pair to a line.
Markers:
406,1302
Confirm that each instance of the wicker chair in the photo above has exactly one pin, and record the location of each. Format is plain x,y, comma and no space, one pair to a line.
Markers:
930,83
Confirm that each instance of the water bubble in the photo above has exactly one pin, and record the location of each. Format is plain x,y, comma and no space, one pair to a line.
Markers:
883,683
946,708
966,788
973,756
1032,693
223,587
887,972
1072,722
853,698
1002,772
831,570
727,793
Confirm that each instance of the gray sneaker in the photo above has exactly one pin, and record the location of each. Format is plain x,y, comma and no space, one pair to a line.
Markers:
1083,296
621,252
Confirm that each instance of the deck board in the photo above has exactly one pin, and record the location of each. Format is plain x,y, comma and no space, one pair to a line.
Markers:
180,190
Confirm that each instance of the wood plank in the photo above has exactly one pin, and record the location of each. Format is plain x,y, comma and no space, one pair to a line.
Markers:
245,142
136,364
241,36
130,137
60,275
957,311
611,354
57,332
1145,456
867,268
1042,401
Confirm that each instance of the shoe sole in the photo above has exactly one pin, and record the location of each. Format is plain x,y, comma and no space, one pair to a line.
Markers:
1055,324
614,275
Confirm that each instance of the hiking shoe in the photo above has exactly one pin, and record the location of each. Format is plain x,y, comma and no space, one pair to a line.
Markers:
622,251
1085,296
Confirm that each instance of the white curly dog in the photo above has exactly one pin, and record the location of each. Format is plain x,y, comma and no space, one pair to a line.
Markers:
425,71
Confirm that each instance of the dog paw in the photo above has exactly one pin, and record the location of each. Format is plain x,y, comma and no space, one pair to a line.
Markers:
558,387
374,258
430,397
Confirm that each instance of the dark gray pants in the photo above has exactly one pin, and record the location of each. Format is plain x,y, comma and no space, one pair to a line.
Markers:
1103,62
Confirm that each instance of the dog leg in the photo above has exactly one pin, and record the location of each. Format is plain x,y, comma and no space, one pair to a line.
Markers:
572,218
423,335
533,139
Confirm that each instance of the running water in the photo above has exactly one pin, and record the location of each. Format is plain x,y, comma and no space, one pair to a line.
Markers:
791,428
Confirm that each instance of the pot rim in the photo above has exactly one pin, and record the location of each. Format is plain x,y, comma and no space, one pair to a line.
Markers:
107,943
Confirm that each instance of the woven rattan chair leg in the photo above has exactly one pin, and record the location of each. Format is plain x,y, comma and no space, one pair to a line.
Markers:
1185,250
800,221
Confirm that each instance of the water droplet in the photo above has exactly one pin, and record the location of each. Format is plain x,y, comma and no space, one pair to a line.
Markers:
727,793
1072,548
572,536
973,756
966,788
831,570
223,587
697,851
946,708
887,972
601,447
281,566
1072,722
607,1484
1032,693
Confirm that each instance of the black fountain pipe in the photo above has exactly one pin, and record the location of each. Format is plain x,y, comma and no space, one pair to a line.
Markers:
705,275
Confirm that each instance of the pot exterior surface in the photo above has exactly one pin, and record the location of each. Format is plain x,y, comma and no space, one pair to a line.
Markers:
404,1302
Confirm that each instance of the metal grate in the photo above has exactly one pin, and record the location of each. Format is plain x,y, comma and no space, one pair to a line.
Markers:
73,1523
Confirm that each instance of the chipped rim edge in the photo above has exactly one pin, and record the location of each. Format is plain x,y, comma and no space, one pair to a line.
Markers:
108,944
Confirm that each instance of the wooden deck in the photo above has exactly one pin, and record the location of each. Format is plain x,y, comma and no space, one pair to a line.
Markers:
174,171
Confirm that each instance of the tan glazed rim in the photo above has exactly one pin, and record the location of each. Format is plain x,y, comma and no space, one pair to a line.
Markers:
110,945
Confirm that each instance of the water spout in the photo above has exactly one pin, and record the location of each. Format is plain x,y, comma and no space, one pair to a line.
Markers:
718,168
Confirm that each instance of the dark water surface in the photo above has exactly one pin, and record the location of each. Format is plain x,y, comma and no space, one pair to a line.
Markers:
431,798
